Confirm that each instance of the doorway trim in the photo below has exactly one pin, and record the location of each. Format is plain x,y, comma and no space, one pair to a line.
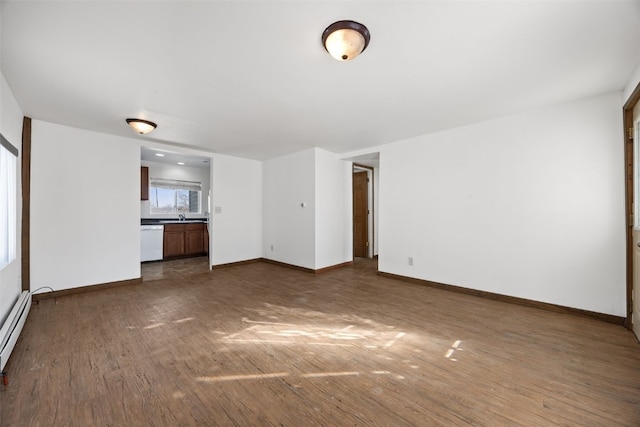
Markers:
371,189
25,239
629,155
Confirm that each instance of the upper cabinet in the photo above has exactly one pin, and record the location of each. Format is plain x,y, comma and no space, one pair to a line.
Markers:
144,183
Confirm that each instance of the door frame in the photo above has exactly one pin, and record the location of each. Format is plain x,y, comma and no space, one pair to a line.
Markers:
629,156
371,223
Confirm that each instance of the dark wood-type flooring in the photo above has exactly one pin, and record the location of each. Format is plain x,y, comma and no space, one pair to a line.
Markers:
264,345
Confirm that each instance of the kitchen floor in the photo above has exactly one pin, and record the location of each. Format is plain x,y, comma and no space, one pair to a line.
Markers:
175,268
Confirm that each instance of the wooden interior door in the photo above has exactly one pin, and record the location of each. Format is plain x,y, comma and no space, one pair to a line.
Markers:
631,113
635,291
360,215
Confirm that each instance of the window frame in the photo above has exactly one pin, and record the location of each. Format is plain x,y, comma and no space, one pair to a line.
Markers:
8,202
176,186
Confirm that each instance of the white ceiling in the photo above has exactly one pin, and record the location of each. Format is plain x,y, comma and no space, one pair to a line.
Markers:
173,157
251,78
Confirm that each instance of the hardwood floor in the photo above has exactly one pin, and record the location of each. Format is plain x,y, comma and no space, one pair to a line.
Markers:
263,345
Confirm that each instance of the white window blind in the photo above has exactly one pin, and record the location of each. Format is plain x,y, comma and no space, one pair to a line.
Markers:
175,184
8,202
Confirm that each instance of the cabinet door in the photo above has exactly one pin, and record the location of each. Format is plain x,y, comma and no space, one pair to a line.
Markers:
194,241
206,239
174,242
144,183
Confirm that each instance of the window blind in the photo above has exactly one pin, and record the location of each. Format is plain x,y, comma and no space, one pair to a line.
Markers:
175,184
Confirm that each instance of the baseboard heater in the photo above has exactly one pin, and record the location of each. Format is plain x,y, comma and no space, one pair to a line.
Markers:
12,327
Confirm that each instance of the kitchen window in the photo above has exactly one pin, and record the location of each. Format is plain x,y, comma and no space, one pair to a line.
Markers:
8,202
174,197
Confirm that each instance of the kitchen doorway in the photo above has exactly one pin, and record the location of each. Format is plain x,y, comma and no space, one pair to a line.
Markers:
174,205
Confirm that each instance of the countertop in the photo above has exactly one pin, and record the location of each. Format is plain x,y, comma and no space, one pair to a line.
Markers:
160,221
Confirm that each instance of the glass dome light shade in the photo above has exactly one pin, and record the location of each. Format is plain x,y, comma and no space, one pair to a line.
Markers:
141,126
344,40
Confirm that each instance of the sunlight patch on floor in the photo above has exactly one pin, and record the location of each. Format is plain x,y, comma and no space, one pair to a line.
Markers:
329,374
311,375
158,324
241,377
155,325
274,325
452,350
394,340
186,319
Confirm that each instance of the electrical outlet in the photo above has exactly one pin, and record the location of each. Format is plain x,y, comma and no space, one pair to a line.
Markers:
271,248
410,260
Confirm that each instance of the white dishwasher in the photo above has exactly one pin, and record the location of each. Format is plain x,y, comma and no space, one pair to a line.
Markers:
151,237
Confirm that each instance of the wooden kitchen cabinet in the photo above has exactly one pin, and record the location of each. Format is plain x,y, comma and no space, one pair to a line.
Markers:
173,243
194,239
184,240
144,183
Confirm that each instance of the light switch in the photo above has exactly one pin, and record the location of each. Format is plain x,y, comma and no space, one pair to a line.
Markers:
217,209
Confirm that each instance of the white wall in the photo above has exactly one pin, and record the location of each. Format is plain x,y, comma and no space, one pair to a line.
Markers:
11,128
181,173
319,234
333,202
85,201
633,82
530,206
288,182
236,189
98,241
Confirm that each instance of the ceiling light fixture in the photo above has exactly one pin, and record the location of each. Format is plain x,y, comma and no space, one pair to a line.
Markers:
159,154
344,40
141,126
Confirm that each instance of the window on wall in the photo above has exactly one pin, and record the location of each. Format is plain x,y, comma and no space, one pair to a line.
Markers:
174,197
8,202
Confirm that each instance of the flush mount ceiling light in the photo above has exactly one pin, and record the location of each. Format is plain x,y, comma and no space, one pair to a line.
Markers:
141,126
344,40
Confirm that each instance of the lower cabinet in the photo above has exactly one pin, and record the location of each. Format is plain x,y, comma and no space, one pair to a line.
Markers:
173,243
194,239
182,240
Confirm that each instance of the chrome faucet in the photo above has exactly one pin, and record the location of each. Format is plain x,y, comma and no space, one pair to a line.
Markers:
181,217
